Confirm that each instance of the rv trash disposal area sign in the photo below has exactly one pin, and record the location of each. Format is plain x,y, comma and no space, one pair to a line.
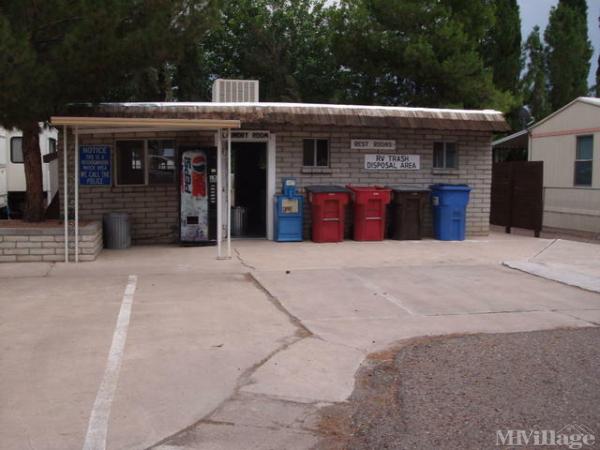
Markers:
94,165
392,162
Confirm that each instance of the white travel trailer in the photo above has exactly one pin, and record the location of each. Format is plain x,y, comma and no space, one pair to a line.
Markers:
12,172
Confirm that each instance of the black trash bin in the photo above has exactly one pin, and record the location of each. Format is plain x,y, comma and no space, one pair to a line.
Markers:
407,211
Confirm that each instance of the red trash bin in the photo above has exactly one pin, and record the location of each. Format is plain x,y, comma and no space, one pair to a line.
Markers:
370,204
328,206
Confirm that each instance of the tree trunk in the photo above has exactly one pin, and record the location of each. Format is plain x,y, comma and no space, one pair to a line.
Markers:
34,197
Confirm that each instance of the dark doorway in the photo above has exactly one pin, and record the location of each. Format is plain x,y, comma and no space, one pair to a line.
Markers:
249,161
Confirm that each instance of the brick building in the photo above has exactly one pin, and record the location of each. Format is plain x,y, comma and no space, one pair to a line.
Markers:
316,144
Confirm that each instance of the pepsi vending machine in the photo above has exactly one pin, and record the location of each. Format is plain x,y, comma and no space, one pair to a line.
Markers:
198,196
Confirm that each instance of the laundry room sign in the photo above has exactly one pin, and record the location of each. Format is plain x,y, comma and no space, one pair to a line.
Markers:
392,162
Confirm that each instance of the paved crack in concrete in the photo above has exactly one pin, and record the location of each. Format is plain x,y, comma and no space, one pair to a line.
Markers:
245,378
238,255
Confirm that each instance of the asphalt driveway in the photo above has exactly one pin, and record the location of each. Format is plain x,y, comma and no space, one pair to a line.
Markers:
243,353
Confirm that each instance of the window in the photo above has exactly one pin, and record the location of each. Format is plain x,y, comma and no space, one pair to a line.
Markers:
130,162
16,150
146,162
584,160
51,145
445,155
315,153
161,162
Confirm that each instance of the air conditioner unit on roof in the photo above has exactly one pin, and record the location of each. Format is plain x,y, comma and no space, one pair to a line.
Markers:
235,91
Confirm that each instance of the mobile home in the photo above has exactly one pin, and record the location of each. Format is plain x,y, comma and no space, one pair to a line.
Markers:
12,172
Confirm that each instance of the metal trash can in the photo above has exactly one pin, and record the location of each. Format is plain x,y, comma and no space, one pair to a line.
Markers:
239,221
116,229
407,211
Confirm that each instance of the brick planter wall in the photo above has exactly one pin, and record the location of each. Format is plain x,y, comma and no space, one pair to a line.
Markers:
46,244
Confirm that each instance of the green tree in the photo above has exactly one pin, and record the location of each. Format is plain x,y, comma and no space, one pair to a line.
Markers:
568,51
57,52
535,86
503,46
413,52
283,43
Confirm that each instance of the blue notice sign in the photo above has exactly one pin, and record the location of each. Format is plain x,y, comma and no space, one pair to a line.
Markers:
94,165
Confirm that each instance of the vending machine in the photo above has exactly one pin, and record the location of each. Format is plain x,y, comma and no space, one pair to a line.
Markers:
198,196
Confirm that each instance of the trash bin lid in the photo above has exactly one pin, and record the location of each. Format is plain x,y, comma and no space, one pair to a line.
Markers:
408,188
451,187
325,188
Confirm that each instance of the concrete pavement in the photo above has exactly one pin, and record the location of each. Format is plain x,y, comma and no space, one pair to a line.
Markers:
243,353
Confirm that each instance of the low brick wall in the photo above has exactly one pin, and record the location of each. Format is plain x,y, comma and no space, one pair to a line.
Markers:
47,243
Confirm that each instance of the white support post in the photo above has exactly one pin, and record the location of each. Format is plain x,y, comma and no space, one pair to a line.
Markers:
76,190
65,193
219,193
229,193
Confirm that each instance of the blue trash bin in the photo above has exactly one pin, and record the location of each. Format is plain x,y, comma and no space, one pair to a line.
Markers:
449,203
289,209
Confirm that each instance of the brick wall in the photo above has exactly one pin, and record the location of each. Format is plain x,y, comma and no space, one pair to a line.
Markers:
36,244
347,165
154,209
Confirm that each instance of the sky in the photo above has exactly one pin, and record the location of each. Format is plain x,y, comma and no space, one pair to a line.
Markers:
535,12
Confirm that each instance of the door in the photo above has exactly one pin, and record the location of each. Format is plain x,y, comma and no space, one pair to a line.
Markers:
250,185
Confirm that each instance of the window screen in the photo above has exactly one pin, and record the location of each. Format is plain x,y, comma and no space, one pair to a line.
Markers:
315,153
584,160
445,155
16,150
130,162
161,162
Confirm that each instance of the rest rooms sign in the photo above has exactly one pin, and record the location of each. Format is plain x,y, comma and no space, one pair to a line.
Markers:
94,165
392,162
373,144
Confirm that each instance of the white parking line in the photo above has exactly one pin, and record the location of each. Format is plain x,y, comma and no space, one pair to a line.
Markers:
95,438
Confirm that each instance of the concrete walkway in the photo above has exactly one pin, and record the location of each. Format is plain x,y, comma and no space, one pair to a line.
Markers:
243,353
568,262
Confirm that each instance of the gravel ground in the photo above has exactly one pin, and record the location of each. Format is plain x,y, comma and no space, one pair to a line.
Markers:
455,392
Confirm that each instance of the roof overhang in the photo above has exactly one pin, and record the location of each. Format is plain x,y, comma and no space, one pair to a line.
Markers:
519,139
87,125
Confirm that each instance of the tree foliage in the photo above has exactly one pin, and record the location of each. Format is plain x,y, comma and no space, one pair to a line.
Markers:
568,51
535,79
283,43
503,46
57,52
425,53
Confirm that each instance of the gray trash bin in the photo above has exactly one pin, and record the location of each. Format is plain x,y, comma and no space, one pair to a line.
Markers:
116,230
239,220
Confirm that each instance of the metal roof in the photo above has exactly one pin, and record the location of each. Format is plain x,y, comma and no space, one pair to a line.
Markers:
516,139
91,123
309,114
